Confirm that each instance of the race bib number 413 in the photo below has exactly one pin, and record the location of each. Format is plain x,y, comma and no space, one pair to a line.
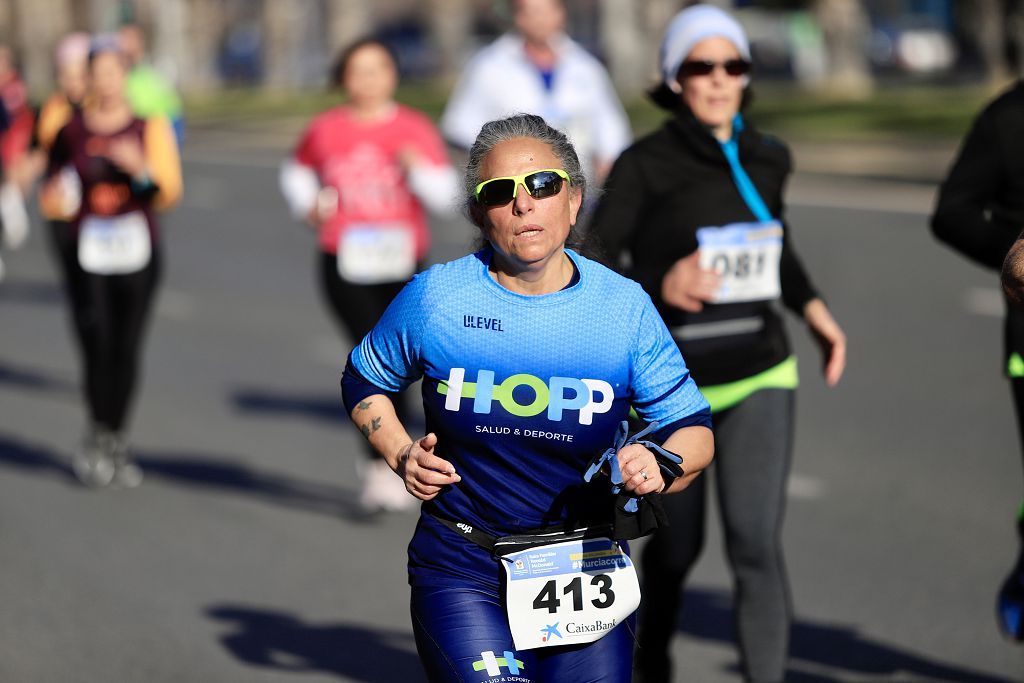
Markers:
746,256
569,592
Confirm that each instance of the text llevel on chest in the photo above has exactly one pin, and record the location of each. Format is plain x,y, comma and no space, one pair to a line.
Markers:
482,323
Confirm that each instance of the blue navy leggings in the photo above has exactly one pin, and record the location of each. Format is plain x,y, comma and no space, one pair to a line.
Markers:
462,636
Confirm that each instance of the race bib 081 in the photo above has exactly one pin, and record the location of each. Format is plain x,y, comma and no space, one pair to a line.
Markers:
569,592
746,256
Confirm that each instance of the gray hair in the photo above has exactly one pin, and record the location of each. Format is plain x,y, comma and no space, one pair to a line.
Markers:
521,126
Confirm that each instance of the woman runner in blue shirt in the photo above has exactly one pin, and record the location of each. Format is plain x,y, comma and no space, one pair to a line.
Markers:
531,356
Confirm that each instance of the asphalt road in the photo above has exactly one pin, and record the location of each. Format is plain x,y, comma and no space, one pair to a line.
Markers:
242,557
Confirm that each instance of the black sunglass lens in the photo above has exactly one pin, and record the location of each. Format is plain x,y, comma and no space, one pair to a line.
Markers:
696,68
497,192
737,67
543,184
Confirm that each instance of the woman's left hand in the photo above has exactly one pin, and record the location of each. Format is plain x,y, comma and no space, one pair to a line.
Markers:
126,153
640,472
409,158
830,338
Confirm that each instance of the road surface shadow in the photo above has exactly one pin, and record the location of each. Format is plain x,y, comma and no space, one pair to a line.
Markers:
43,292
276,640
24,378
816,647
16,453
230,476
211,472
324,407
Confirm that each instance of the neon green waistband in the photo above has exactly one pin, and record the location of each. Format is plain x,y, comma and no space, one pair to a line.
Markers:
724,396
1015,366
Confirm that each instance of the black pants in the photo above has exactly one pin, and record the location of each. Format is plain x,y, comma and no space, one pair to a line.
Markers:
753,445
356,309
1017,387
109,315
64,245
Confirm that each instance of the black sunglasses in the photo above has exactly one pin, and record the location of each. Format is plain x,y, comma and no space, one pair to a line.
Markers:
733,67
540,184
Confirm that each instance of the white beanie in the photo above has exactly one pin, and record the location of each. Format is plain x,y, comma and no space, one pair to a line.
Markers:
693,25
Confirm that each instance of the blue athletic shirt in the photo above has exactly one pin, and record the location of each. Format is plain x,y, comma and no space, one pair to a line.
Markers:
522,392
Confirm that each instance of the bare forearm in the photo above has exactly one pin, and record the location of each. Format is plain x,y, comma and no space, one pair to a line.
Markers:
696,445
816,313
830,338
376,419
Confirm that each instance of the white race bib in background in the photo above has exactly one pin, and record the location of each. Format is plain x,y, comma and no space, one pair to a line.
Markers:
114,245
375,253
568,592
746,256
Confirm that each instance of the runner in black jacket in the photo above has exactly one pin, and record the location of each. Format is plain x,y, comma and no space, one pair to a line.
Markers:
980,213
697,207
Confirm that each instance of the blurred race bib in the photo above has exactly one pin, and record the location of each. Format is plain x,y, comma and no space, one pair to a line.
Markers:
114,245
375,253
746,256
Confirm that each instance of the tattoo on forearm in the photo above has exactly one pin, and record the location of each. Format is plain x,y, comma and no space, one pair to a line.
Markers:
363,405
370,427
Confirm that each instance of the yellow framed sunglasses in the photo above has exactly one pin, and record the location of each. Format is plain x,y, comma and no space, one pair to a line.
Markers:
540,184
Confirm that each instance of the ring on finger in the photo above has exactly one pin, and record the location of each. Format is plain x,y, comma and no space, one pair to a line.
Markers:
643,474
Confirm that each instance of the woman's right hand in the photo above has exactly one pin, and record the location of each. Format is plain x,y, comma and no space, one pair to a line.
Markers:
424,472
52,197
324,208
688,286
313,218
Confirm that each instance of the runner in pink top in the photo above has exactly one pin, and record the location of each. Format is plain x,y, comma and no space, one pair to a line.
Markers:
364,175
368,164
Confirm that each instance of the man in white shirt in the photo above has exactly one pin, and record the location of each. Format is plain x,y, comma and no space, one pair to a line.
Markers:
538,69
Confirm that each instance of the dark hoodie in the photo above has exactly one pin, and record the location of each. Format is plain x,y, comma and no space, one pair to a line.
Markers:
980,209
665,187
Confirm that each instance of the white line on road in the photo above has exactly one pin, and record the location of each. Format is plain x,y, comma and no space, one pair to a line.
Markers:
824,192
860,194
803,487
175,305
987,301
329,351
266,160
205,191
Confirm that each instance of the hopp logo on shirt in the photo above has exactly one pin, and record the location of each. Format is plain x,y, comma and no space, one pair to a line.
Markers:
588,396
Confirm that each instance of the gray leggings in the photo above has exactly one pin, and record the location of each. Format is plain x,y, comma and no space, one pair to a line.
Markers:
753,450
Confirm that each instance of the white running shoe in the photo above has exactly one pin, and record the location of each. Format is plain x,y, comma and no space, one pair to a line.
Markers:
13,215
127,473
383,490
93,464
